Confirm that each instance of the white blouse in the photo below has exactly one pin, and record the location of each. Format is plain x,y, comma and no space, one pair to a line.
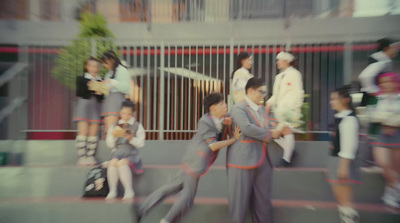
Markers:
240,78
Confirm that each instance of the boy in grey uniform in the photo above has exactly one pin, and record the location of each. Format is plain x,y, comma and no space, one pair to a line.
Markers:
201,153
248,165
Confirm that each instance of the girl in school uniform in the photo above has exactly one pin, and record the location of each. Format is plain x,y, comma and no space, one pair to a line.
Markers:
241,75
343,170
119,82
125,138
87,114
387,145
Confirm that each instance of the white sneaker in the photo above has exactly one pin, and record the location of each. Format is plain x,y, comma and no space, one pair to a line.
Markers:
81,161
91,161
111,195
391,201
163,221
129,195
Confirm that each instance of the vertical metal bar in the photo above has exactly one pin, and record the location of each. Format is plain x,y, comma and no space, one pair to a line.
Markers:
48,93
217,65
324,89
254,59
268,74
316,91
259,61
189,87
210,82
204,73
231,64
274,62
169,89
176,90
224,74
162,91
41,87
155,89
142,84
197,85
182,87
348,63
148,87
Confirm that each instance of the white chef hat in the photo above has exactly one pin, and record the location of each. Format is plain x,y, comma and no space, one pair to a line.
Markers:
285,56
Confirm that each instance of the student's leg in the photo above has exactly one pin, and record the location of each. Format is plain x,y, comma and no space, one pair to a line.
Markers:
186,199
92,143
260,203
240,183
172,187
382,158
289,147
112,178
344,196
81,140
109,121
125,175
396,168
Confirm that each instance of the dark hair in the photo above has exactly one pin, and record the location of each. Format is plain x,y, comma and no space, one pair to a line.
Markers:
344,92
111,55
212,99
90,59
384,43
129,104
238,63
254,83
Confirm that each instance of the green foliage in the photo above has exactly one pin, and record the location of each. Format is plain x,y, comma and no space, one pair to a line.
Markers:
94,39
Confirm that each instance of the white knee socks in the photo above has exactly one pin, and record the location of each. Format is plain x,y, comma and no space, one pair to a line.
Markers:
81,148
112,178
125,175
91,150
287,144
348,215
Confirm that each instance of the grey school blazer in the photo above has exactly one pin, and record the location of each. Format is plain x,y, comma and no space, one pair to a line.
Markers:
250,150
199,157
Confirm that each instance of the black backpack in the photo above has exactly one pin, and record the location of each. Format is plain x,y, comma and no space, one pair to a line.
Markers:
96,183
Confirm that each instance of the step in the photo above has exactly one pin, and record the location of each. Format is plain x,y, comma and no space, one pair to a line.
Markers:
210,210
288,183
312,154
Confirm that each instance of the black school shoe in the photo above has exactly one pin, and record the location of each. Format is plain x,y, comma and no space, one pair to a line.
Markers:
283,163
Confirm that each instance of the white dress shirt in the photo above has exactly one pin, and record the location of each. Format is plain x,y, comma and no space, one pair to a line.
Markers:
218,123
138,140
348,129
239,81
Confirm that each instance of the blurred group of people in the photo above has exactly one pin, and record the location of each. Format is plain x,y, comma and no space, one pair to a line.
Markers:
380,110
253,123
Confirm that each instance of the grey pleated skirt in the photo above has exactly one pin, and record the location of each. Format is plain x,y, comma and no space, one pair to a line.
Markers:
88,110
333,177
127,151
388,141
112,104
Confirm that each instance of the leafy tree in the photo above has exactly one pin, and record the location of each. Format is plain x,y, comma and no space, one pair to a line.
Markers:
93,40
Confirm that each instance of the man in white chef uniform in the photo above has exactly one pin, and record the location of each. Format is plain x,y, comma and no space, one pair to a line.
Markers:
286,102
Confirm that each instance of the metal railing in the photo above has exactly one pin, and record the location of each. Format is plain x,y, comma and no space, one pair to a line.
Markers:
168,11
172,79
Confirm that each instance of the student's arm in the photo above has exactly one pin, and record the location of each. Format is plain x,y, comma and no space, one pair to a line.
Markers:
222,144
110,139
122,80
247,128
138,141
348,129
207,133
